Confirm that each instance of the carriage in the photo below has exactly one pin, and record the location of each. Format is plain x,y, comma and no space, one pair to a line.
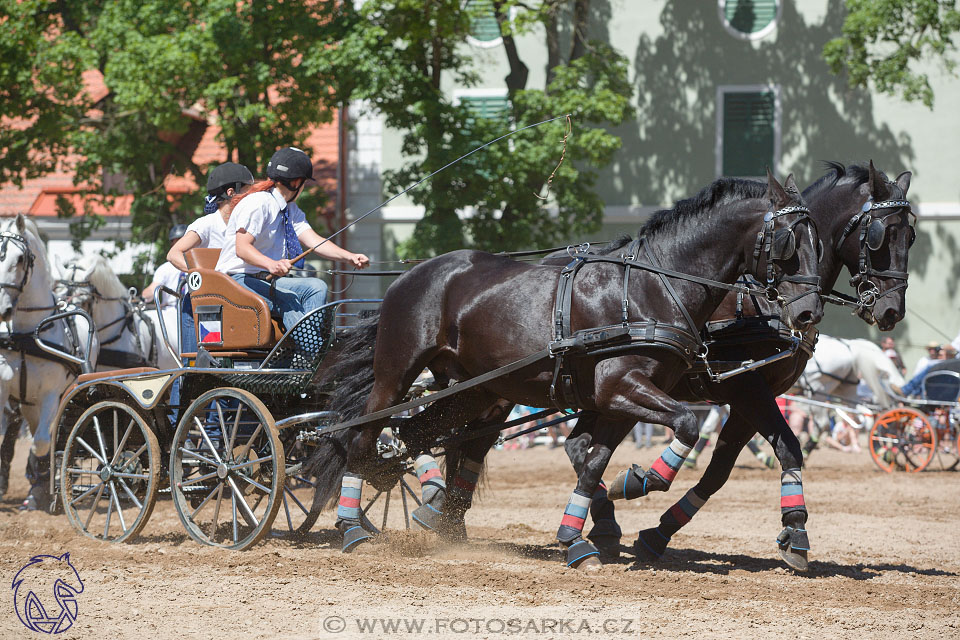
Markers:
228,436
909,437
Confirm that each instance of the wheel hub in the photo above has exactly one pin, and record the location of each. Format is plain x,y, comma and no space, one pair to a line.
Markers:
222,471
105,473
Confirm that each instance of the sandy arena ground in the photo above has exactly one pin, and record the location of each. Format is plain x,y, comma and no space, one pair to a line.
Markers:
885,563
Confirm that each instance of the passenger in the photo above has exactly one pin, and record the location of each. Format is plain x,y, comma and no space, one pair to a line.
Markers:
171,277
224,182
265,232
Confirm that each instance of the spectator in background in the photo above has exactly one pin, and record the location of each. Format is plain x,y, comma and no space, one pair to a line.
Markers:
933,354
890,349
947,361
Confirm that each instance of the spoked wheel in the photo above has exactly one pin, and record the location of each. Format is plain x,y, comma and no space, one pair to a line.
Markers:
902,439
226,469
299,511
109,473
948,443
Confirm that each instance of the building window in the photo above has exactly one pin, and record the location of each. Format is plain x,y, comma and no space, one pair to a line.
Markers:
749,19
748,130
484,30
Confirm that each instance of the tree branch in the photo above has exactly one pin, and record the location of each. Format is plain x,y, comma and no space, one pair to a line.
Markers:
517,78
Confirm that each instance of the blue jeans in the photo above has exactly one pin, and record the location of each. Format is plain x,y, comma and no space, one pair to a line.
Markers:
188,332
293,298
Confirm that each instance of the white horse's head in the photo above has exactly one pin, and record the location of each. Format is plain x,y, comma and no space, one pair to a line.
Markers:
21,251
85,279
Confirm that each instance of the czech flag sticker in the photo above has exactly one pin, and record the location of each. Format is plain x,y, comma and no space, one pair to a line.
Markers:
210,331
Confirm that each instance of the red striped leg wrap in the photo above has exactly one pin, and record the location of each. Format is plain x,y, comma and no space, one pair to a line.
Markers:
669,462
791,491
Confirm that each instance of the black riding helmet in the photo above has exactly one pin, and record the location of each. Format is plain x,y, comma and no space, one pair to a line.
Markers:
289,164
177,231
227,175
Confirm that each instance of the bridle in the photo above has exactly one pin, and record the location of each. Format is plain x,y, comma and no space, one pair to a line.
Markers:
873,232
87,288
781,244
7,237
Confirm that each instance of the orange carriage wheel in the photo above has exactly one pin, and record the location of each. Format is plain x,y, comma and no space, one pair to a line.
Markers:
902,439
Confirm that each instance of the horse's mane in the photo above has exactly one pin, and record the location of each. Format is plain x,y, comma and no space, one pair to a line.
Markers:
714,194
104,280
855,174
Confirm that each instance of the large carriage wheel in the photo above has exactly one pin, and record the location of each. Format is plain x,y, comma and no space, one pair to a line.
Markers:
109,473
904,439
226,469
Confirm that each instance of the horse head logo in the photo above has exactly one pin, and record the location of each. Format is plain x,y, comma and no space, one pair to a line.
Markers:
45,593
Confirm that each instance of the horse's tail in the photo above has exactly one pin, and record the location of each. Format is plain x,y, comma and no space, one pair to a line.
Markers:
347,373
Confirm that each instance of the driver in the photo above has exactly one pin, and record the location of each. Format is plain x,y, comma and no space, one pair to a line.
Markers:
266,231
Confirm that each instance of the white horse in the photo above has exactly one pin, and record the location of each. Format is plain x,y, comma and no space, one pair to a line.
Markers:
28,377
833,374
127,333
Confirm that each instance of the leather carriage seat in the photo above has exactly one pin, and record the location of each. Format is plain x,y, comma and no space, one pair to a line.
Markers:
222,306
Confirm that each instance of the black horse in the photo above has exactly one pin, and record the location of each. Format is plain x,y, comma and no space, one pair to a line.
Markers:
865,222
468,313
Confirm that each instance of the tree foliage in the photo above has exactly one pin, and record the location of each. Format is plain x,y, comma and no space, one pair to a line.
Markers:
409,53
884,40
254,69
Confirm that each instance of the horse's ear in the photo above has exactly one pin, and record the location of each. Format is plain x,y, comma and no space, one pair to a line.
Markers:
57,264
775,191
790,185
903,181
21,224
874,181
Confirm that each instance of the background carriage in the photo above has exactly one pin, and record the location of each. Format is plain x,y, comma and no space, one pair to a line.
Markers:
910,437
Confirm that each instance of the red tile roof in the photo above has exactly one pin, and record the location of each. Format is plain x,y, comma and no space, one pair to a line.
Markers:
38,196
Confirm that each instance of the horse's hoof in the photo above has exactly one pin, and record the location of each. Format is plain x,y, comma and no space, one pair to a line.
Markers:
582,554
631,483
352,538
650,545
427,516
796,559
589,564
793,545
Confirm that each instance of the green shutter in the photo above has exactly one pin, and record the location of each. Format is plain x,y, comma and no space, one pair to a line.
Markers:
483,21
750,16
748,133
487,107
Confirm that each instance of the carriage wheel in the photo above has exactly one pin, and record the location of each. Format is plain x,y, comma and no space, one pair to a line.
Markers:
948,443
902,439
226,469
108,477
298,510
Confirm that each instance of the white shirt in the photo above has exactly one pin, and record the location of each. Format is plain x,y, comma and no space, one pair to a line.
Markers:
167,275
259,215
211,229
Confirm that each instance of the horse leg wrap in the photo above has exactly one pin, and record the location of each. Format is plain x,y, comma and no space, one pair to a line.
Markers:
434,489
651,543
793,542
606,532
38,473
571,526
791,492
349,514
636,483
